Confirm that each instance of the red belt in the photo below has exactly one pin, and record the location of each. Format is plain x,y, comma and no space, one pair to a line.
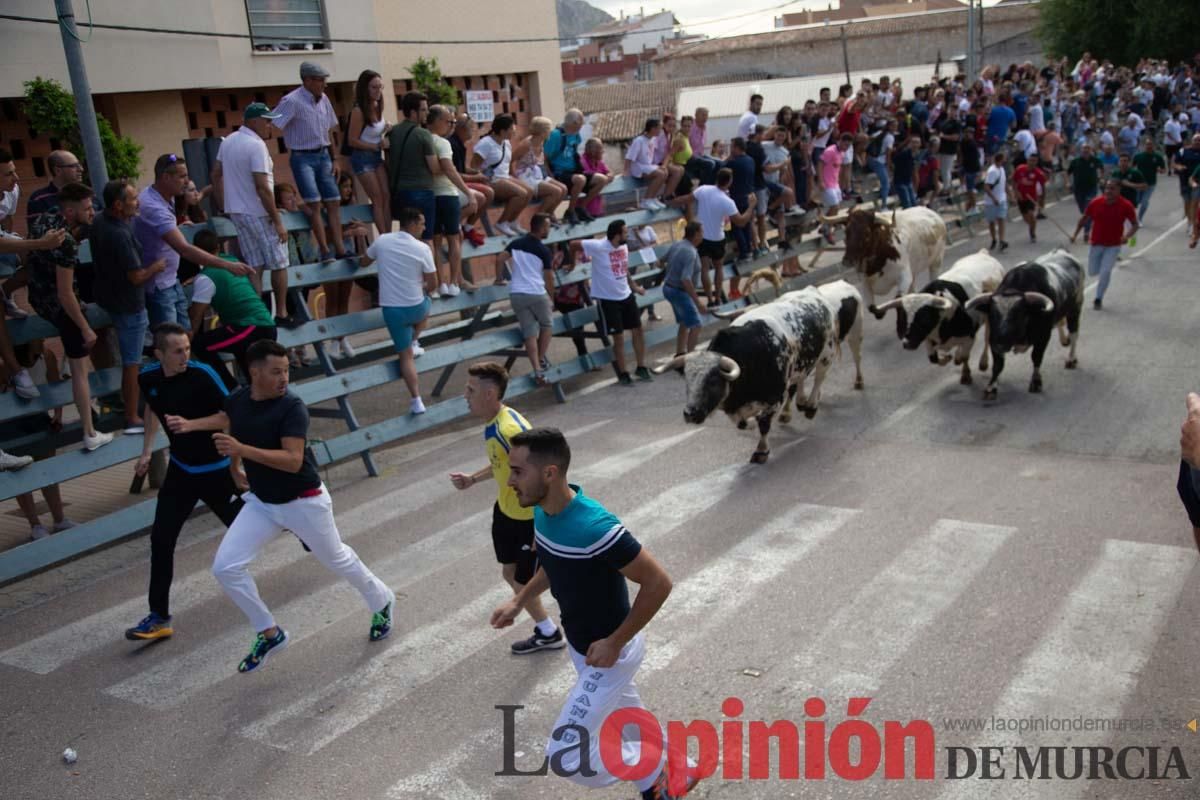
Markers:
309,493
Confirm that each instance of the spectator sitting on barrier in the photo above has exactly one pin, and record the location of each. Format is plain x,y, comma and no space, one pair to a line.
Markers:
562,158
309,125
448,189
10,198
40,425
640,163
528,165
681,154
482,194
54,295
243,319
406,275
592,163
613,287
367,136
532,287
776,173
493,159
120,286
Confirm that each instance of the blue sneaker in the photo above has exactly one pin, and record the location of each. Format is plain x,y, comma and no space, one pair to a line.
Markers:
152,627
261,648
381,621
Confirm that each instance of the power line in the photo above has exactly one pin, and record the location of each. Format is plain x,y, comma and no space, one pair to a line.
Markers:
333,40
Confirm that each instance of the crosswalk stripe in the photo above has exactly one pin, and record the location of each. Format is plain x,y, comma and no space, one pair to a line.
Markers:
621,464
1092,658
173,681
698,606
63,645
870,633
390,679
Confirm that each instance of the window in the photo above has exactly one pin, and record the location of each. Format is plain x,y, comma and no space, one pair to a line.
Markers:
287,24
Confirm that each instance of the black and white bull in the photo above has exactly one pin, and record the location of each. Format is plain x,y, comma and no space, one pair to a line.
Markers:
1034,298
937,315
758,366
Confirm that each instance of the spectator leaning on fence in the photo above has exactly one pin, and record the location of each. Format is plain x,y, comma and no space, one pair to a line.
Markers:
406,275
244,185
310,128
367,138
493,159
532,287
448,189
121,279
53,294
562,158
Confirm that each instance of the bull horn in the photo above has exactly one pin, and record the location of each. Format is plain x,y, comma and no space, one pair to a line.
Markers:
889,305
730,370
675,363
765,274
979,300
837,219
1037,298
729,314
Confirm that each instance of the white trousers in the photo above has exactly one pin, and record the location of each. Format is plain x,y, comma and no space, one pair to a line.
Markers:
596,694
311,519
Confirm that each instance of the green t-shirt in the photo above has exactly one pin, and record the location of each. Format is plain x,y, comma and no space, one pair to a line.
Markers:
235,300
408,146
1149,164
1085,173
1133,175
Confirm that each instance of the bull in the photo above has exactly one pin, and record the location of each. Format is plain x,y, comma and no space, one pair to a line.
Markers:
1032,299
937,315
757,367
889,250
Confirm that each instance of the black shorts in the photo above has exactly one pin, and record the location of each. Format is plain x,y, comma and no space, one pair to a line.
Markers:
713,250
1025,206
512,540
619,316
1186,487
68,331
565,179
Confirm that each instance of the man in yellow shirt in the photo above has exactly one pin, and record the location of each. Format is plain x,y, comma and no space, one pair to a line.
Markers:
512,525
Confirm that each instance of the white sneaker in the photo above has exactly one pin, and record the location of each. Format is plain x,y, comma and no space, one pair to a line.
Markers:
416,406
417,350
24,386
91,443
506,228
9,462
520,231
649,205
13,310
308,356
65,525
333,349
38,532
347,350
795,210
453,289
444,290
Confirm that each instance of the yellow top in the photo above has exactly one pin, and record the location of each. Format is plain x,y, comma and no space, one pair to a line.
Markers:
683,156
496,436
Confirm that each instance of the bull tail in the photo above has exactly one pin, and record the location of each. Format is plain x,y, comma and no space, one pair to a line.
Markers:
765,274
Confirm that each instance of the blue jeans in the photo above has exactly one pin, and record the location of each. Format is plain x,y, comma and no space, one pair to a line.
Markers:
1144,201
686,313
131,335
168,305
908,195
879,167
314,176
1101,261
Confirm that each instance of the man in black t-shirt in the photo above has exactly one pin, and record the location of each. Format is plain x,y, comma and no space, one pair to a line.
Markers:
268,432
189,399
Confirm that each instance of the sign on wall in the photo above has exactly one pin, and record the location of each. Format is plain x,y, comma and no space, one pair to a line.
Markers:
479,105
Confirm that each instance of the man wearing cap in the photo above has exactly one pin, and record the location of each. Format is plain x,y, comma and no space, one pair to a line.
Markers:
160,238
310,128
244,185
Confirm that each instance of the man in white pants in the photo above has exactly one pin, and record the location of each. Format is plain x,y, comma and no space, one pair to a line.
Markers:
585,554
268,431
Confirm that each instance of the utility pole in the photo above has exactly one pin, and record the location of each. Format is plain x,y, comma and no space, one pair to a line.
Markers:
89,131
972,67
845,53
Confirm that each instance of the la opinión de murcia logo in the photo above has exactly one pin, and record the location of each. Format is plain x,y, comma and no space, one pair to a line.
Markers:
853,749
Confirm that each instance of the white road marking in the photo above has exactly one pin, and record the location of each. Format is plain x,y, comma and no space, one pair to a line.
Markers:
1091,660
698,606
621,464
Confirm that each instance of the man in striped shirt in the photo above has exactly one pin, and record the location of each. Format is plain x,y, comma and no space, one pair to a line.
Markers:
310,129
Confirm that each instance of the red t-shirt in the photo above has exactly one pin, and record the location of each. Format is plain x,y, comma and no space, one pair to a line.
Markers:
1108,220
1028,181
848,120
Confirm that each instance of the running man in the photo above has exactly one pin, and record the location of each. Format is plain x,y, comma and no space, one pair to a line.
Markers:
188,398
512,523
585,555
268,431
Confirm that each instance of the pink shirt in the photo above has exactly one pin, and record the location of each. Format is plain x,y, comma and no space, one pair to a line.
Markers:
831,162
698,136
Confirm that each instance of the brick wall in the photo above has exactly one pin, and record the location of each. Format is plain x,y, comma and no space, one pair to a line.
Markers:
511,93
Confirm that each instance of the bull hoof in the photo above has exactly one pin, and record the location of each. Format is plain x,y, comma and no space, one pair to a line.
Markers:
1072,363
989,395
760,457
1035,386
966,380
878,314
742,424
785,418
933,360
858,384
810,412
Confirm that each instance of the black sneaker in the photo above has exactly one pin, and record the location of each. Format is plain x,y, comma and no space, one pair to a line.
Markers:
288,322
643,374
381,621
1097,304
544,364
584,216
1032,239
1003,246
538,642
261,648
623,379
992,246
571,217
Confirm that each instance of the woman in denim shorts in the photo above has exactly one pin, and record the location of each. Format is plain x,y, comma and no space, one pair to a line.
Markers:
367,138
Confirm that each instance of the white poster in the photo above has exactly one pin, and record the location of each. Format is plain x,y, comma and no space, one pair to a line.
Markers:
479,105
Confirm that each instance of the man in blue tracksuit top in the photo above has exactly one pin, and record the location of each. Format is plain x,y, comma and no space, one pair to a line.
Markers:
585,554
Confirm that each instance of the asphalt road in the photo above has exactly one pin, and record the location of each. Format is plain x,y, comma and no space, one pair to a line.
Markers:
955,562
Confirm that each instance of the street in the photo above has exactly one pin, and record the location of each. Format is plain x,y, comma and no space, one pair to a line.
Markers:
952,561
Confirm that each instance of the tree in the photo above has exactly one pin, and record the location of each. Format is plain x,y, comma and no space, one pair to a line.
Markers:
51,110
1121,31
427,76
